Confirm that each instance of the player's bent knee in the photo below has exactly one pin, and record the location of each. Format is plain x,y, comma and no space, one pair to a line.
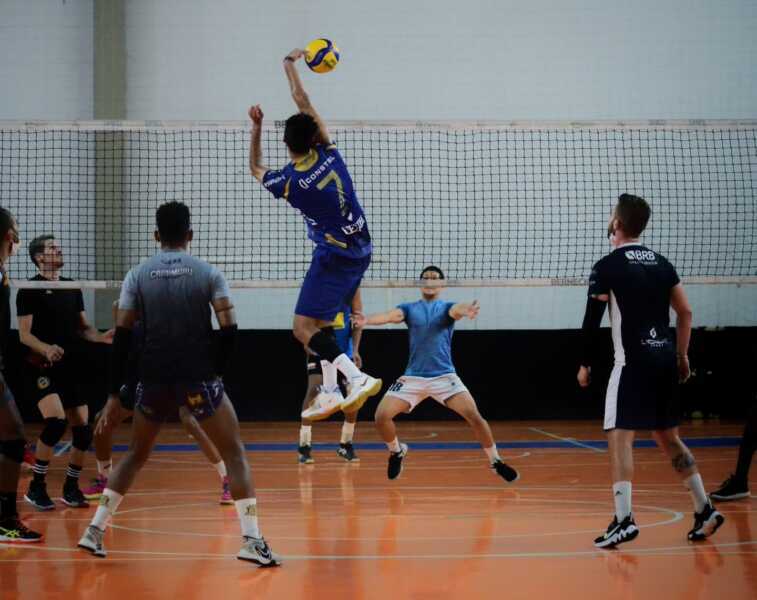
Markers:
81,437
13,450
683,462
53,431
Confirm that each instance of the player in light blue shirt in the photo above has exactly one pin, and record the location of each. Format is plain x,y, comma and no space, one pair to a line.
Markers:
430,372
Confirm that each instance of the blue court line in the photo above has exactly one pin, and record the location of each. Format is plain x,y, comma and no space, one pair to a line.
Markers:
713,442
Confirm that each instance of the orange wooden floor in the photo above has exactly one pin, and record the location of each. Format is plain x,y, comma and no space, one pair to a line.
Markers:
448,528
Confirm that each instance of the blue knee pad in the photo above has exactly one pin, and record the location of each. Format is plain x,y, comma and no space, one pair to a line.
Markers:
13,449
81,437
53,431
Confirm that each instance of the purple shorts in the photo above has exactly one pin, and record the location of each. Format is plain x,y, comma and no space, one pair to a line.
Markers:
161,402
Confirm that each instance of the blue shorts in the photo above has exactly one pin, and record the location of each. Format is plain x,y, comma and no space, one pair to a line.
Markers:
331,282
161,402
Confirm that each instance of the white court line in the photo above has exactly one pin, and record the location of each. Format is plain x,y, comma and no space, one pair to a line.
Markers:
564,439
665,550
63,449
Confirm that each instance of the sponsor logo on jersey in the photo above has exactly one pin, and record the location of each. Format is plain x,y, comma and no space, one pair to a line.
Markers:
305,182
270,182
43,383
652,341
642,256
355,227
170,273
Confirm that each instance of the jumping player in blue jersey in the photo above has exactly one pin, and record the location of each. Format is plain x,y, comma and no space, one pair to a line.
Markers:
318,184
430,372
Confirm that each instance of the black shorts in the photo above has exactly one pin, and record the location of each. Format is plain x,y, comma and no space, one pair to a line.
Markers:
128,394
40,382
643,396
161,402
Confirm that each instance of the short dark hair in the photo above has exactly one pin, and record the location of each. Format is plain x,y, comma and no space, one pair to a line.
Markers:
299,133
6,222
434,269
633,212
37,246
172,220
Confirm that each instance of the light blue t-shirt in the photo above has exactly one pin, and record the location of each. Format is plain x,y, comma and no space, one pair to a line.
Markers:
430,335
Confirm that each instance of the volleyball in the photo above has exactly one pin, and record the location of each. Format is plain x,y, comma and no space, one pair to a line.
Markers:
321,55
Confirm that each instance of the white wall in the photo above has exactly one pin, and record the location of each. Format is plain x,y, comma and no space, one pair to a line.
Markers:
418,59
444,59
46,65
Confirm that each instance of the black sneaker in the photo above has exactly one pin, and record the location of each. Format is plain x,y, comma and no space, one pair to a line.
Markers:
37,496
505,471
13,530
394,468
731,489
303,455
347,452
618,533
706,523
73,497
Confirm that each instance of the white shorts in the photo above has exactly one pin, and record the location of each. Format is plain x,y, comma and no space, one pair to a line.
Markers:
415,390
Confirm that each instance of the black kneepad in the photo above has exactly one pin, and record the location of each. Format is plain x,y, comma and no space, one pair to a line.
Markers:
13,449
81,437
53,431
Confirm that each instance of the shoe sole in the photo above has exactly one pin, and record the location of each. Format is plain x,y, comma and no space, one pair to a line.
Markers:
720,498
698,537
609,545
96,496
92,551
321,416
362,397
259,564
74,504
225,502
5,540
39,506
349,460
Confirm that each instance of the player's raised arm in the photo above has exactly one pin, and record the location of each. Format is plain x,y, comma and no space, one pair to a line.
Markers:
256,152
300,96
392,316
464,309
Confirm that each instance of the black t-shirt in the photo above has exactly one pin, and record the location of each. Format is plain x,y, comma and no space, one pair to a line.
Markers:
638,282
5,316
55,313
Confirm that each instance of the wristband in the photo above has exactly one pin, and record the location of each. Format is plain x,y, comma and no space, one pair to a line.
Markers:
288,58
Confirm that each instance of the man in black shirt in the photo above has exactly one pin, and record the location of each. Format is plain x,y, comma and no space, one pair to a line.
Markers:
641,286
11,429
54,327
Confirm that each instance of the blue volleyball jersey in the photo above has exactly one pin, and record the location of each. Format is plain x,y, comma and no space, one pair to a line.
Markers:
320,187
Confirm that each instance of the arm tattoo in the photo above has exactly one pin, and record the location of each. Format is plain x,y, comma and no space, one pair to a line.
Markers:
683,461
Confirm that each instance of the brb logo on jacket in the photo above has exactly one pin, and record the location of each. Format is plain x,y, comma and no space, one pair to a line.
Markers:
646,257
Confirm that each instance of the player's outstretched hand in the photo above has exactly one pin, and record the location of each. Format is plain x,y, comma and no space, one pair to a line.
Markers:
295,54
107,337
256,114
584,376
358,320
473,309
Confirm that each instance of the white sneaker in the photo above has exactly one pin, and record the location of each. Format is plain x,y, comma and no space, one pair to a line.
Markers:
359,391
256,550
92,540
326,403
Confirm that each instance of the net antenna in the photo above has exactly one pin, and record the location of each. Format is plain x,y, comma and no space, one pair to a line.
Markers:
493,203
